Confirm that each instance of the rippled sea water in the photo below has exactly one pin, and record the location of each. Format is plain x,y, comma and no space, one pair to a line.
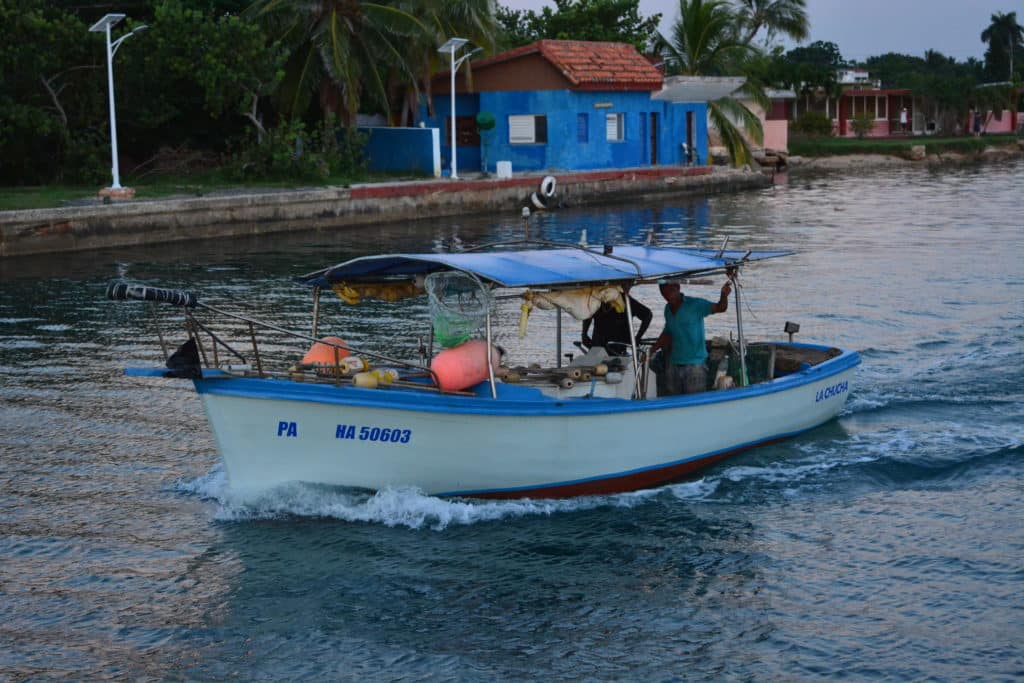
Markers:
886,544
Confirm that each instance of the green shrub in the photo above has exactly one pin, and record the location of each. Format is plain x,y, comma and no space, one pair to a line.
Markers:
862,124
284,153
813,124
349,159
86,159
292,152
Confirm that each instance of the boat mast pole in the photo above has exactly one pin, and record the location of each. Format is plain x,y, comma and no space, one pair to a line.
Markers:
490,365
558,338
739,327
632,343
316,311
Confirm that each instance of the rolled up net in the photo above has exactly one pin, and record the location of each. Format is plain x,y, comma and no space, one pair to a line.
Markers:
458,306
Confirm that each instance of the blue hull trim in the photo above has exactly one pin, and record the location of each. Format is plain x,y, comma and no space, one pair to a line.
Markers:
516,401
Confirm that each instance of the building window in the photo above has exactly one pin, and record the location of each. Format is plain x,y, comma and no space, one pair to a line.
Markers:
615,127
582,128
869,104
527,130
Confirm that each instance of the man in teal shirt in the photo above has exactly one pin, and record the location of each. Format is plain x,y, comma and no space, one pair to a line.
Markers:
683,338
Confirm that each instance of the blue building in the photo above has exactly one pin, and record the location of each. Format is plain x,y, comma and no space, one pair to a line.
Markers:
566,105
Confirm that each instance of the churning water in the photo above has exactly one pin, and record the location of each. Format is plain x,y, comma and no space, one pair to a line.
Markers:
886,544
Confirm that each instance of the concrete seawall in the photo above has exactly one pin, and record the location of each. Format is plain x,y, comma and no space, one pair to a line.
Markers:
142,222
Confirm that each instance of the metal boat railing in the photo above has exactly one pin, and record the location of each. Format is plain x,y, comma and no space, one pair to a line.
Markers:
268,345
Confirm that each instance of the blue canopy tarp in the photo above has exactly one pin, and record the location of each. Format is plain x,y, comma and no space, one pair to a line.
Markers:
543,267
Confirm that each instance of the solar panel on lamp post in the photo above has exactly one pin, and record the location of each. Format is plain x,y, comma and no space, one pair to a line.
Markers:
103,26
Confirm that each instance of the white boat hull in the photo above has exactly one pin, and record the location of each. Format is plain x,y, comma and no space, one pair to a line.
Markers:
272,432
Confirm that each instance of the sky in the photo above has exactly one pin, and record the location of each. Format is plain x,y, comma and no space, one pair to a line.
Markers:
864,28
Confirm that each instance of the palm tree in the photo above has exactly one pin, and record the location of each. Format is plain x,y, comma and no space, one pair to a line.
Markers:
706,42
1004,37
337,48
786,17
474,20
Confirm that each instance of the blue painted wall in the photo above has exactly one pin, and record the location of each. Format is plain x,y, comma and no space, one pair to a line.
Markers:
670,150
401,150
576,133
465,105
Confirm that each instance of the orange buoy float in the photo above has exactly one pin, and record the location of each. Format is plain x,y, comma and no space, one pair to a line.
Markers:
323,354
464,365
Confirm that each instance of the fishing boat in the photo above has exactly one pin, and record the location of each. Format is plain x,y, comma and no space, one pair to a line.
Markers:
467,418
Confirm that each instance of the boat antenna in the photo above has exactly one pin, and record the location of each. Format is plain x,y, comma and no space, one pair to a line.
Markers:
526,222
721,251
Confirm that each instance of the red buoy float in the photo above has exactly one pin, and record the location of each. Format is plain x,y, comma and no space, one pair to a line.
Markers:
323,354
464,365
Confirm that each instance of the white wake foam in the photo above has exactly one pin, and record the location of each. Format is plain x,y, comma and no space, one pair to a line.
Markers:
408,507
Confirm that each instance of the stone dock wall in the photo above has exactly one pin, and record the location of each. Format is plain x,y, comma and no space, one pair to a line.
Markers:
143,222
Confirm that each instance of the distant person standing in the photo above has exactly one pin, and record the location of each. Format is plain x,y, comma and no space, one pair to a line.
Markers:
903,120
683,337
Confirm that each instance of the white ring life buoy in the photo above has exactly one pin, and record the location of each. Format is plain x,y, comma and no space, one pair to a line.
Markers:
547,186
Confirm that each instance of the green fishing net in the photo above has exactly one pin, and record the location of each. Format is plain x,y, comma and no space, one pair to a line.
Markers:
458,306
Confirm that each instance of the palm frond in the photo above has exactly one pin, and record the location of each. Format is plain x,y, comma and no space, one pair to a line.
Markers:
735,143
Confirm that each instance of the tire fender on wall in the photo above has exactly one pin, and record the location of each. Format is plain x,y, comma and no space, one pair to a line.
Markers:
547,186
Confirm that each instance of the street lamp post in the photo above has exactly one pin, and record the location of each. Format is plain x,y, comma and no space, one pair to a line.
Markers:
103,26
452,46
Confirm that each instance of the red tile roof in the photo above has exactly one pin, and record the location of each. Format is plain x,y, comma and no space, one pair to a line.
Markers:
589,65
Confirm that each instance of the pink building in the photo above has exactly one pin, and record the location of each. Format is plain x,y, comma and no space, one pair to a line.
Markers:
895,111
1006,121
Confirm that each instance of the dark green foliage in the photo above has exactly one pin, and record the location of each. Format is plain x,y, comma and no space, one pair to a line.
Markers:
944,85
191,79
1005,53
807,69
294,151
86,159
776,17
705,41
813,124
45,89
518,27
617,21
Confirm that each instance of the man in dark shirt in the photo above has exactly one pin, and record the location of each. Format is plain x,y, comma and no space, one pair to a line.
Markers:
611,326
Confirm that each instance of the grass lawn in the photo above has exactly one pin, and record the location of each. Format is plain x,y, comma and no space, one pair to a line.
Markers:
817,147
53,196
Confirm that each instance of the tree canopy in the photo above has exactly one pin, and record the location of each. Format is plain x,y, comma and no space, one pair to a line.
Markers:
706,40
600,20
1005,38
211,77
